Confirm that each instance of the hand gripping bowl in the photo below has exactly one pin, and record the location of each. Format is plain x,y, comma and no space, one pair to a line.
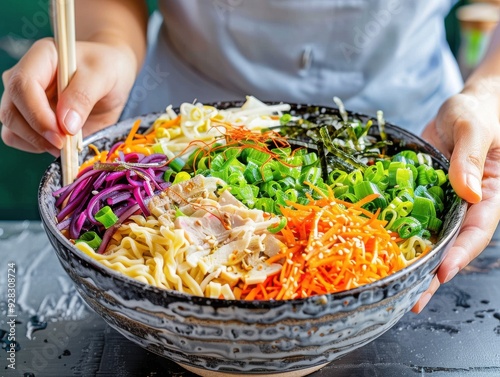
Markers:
231,337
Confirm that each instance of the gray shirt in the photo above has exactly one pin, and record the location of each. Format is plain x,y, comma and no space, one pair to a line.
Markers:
390,55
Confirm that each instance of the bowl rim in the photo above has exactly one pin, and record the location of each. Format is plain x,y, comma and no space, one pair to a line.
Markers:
381,283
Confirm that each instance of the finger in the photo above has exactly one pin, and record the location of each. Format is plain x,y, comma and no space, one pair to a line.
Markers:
467,160
431,134
26,87
76,102
474,237
17,133
12,140
426,296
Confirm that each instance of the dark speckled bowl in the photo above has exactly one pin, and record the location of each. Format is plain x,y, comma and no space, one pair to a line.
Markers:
209,336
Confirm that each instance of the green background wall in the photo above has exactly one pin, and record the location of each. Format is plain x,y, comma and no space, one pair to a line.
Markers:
22,22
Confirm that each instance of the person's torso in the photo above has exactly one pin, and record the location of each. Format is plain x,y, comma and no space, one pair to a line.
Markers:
388,52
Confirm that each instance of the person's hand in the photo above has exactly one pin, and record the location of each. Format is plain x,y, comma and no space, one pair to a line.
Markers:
35,120
467,130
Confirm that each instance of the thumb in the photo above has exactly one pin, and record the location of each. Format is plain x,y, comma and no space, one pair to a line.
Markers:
78,99
467,160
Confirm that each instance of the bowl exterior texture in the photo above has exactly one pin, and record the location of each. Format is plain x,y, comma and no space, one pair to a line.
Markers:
238,336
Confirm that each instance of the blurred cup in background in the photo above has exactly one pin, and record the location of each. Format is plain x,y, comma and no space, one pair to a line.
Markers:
477,21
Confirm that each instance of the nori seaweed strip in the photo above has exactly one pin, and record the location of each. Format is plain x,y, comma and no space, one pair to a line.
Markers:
381,144
322,160
341,155
338,163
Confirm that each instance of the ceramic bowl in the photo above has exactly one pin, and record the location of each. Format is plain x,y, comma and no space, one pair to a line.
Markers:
213,336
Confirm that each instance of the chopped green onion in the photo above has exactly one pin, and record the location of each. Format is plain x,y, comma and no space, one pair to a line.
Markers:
424,233
265,204
90,238
390,215
282,152
340,190
441,177
285,118
181,177
269,188
375,173
423,206
424,159
434,224
337,176
407,227
287,183
177,164
426,175
309,159
355,177
236,179
404,178
394,166
167,175
437,193
178,213
257,156
311,174
349,197
279,226
365,188
252,172
106,216
409,155
381,124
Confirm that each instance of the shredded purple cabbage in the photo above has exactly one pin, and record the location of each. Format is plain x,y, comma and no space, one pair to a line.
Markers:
123,186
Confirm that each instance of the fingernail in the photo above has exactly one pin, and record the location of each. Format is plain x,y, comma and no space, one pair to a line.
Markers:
72,122
451,275
423,301
475,185
54,138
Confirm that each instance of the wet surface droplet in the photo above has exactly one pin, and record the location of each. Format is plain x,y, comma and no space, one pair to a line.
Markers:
5,343
34,325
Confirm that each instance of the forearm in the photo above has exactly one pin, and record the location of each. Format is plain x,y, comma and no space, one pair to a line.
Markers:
120,23
484,82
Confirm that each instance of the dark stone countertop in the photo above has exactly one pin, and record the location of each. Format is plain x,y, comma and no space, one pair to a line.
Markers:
458,333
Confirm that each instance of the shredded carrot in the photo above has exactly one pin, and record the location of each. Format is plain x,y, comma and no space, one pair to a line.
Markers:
332,246
133,131
170,123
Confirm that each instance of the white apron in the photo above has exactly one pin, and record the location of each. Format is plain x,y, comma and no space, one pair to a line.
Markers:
373,54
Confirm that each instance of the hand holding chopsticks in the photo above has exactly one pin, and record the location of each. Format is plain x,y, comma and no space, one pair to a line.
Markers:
64,32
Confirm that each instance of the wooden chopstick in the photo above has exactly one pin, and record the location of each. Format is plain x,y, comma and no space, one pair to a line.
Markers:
64,33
